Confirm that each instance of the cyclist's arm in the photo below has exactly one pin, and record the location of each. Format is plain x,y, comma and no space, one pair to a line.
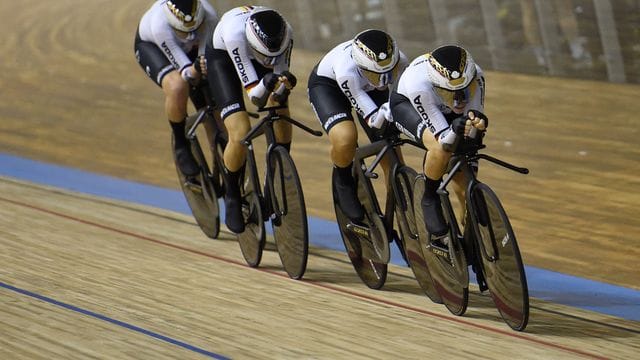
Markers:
358,98
427,105
205,32
165,39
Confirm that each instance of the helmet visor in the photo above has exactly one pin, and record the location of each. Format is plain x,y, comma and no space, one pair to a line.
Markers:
380,79
457,98
268,61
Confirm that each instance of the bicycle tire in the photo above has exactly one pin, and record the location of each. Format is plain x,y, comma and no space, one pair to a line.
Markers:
362,255
201,197
505,274
405,178
289,223
450,277
253,238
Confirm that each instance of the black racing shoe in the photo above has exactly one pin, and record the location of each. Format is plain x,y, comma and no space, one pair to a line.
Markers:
233,214
433,218
186,163
348,198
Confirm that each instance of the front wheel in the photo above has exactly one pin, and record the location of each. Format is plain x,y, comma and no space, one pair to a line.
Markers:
501,260
289,219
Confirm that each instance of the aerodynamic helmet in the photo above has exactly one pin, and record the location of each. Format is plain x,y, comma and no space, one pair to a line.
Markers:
268,35
184,15
377,56
452,71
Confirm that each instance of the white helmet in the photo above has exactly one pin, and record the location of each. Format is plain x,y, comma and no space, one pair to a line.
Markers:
452,72
184,15
268,35
377,56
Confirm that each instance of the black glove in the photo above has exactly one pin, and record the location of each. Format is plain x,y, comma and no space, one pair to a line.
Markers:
270,80
457,125
291,78
198,65
472,114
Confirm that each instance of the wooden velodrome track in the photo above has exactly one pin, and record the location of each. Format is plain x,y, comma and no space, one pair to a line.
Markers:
85,277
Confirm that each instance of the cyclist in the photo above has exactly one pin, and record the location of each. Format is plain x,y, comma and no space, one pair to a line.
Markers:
356,75
171,36
439,100
250,49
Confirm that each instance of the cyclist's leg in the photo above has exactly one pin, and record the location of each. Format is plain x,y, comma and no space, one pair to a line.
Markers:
411,123
176,91
334,112
227,93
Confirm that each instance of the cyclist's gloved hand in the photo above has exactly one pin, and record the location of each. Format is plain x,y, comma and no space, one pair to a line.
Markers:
290,80
458,125
450,137
270,80
259,94
476,121
378,118
200,65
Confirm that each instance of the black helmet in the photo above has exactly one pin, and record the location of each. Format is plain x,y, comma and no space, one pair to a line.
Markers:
184,15
268,35
376,54
452,70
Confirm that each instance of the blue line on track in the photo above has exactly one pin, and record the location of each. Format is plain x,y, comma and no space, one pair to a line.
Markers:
543,284
115,322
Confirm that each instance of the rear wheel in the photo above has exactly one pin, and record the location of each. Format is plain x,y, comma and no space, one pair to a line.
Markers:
501,260
448,269
201,196
290,216
405,178
253,239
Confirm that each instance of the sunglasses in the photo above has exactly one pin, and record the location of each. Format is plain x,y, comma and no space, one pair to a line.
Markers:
380,79
457,97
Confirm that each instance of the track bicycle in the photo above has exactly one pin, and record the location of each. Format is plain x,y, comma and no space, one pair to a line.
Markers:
282,201
367,242
488,243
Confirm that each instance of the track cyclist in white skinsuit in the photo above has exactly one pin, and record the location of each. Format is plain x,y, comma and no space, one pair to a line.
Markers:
356,75
250,50
438,101
169,44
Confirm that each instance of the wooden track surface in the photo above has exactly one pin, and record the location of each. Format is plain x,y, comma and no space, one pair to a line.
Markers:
71,93
156,271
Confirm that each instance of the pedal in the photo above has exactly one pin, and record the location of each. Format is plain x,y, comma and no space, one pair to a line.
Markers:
193,184
359,230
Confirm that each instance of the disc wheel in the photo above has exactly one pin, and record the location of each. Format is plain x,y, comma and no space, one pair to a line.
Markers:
201,197
364,258
289,220
501,259
448,271
405,178
253,239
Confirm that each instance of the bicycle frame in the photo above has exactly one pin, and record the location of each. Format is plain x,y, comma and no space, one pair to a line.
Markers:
265,125
380,149
462,162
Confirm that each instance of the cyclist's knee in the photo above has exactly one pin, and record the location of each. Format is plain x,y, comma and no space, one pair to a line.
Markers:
175,87
237,125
